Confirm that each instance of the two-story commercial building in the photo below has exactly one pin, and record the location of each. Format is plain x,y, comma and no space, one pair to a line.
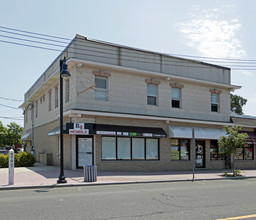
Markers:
129,109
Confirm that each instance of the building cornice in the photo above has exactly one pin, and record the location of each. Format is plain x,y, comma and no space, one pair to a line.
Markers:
74,113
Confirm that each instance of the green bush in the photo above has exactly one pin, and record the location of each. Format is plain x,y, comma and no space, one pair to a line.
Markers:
237,172
4,160
25,159
22,159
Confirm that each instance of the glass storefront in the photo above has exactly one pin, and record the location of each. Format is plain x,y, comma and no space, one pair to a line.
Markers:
200,154
245,153
130,148
180,149
215,153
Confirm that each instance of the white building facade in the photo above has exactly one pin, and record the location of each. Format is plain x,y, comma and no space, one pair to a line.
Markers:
127,109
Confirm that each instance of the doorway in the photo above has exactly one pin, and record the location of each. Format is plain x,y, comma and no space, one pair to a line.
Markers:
84,151
200,154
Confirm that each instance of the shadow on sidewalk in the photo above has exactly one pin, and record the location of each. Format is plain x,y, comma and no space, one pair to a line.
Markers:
53,172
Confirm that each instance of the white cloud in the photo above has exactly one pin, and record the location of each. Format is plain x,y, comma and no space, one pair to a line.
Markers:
213,34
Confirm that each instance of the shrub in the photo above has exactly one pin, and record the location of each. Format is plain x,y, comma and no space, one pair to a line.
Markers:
4,160
237,172
25,159
22,159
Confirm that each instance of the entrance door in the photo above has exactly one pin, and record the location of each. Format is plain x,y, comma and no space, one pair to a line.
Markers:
84,151
200,154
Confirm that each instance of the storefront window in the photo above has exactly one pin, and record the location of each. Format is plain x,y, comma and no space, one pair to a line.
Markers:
123,148
215,151
248,152
128,148
245,153
138,149
180,149
108,148
239,154
151,149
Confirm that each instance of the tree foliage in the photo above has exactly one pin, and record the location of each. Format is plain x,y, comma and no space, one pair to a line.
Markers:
3,132
237,103
10,135
233,139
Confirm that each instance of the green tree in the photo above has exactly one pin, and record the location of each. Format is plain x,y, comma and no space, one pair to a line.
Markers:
3,132
228,144
13,134
237,103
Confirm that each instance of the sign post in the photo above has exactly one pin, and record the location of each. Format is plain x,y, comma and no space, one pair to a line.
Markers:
11,167
193,154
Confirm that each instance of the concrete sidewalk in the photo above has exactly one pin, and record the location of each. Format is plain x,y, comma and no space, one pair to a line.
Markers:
46,176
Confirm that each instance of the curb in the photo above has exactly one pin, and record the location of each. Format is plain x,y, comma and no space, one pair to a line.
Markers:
121,183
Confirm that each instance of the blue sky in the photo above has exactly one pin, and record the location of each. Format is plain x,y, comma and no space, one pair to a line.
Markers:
212,28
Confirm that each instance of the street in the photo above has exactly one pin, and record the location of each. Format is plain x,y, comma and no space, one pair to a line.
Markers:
174,200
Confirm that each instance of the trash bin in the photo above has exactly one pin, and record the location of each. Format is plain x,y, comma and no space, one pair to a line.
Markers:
90,173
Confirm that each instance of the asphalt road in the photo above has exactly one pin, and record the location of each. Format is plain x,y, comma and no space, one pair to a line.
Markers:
175,200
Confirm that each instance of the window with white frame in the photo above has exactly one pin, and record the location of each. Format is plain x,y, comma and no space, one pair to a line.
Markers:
176,97
214,102
151,94
101,90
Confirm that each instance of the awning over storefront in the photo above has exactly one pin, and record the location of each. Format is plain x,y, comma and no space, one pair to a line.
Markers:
26,137
112,130
117,130
200,133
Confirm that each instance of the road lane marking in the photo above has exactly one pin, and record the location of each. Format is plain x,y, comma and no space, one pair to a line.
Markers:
238,217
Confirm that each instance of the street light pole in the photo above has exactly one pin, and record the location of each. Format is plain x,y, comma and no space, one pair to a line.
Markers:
63,74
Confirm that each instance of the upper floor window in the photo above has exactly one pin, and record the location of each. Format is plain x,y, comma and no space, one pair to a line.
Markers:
176,97
176,94
67,90
151,94
56,97
214,102
101,90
